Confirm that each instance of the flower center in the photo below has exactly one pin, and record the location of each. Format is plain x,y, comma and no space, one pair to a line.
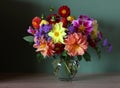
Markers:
76,46
63,11
56,34
57,48
43,45
82,27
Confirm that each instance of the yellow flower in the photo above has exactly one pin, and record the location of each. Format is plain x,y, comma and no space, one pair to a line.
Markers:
70,18
57,33
44,22
94,33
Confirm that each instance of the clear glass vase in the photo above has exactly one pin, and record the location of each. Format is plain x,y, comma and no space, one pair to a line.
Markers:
65,70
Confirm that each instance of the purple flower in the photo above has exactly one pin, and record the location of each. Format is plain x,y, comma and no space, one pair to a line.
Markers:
105,42
36,40
43,31
71,29
84,24
110,48
107,45
45,28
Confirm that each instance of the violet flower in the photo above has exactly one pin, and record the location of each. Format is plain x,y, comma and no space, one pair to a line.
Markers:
110,48
105,42
43,31
71,29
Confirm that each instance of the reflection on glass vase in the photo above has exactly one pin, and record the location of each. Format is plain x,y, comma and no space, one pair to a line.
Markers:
65,70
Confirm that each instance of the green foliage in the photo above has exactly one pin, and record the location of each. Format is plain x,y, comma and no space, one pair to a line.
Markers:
39,57
29,38
87,56
64,53
98,52
79,58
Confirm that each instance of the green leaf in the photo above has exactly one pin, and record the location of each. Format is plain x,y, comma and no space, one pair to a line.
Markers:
64,53
98,52
79,58
29,38
87,56
39,57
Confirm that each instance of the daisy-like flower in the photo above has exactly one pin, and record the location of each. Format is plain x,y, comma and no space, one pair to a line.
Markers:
83,24
57,33
45,47
64,11
35,22
76,44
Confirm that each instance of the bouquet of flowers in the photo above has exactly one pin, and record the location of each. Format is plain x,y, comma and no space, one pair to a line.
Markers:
65,38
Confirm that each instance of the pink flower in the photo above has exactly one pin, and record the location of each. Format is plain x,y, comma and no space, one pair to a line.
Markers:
76,44
45,47
83,24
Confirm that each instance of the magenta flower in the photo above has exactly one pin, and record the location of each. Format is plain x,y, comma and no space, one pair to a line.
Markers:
31,30
84,24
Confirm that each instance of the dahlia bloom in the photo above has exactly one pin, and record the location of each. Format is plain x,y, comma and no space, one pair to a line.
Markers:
76,44
45,47
64,11
83,24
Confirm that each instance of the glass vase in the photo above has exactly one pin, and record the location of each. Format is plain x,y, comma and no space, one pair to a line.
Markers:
65,70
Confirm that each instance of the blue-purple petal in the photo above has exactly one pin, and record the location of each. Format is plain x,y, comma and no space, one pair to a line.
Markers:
105,42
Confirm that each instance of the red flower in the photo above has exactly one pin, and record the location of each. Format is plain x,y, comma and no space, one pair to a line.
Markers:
53,18
64,11
59,48
64,21
92,43
36,22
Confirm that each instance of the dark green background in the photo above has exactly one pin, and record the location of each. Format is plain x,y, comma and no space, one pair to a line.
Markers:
16,15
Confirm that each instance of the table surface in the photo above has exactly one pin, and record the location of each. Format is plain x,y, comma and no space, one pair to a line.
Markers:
33,80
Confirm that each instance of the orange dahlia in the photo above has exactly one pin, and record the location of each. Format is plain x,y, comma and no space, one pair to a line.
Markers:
64,11
76,44
45,47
